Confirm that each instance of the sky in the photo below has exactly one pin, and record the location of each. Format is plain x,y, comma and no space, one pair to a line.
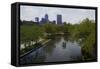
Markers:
71,15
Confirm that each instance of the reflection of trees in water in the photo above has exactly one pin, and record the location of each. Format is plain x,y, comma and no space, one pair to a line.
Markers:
50,46
41,54
66,37
56,40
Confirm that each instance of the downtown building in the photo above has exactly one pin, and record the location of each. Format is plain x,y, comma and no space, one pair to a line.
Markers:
59,19
45,19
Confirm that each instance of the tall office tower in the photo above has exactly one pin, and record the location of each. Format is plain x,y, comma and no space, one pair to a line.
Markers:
46,18
59,19
42,21
37,19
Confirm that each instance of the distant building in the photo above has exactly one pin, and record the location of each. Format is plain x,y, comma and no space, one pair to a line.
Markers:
37,19
42,21
59,19
54,22
46,18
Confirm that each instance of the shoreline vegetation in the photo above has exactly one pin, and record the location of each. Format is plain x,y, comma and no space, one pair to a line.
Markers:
34,47
34,36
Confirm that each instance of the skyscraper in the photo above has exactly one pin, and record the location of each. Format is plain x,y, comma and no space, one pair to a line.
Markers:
37,19
59,19
42,21
46,18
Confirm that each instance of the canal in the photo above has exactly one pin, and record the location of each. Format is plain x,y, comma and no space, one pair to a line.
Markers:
57,50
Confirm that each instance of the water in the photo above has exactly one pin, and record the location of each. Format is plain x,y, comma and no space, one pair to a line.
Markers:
56,50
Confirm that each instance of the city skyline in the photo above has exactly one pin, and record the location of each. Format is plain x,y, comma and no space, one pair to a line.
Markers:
30,13
45,19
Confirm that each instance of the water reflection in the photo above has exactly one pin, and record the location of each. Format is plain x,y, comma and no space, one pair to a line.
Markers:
58,49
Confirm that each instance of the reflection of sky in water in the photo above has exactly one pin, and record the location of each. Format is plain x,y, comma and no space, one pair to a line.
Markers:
55,51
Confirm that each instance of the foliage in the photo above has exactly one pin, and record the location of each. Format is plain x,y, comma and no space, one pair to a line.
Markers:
84,30
30,33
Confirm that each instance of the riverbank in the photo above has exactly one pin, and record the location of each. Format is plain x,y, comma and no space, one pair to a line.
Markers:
36,46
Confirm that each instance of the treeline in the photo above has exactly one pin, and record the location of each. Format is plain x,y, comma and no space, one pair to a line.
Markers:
85,30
